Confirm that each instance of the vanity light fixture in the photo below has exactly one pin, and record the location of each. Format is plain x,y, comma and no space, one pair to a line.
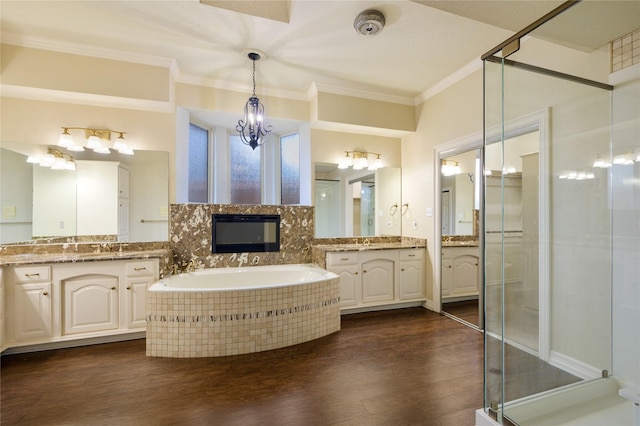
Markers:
252,129
360,160
95,139
54,159
450,168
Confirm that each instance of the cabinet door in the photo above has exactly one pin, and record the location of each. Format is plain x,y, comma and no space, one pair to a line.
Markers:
411,280
135,295
32,311
465,275
350,285
378,280
446,276
123,219
123,182
90,304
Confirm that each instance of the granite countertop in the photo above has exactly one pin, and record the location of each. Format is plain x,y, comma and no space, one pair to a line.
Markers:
36,258
362,247
473,243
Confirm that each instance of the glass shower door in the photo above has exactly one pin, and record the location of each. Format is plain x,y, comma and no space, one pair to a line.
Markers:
547,234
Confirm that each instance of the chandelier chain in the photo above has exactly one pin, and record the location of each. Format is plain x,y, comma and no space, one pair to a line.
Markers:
254,77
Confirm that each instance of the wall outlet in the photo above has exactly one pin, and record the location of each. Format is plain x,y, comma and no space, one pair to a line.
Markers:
415,224
9,212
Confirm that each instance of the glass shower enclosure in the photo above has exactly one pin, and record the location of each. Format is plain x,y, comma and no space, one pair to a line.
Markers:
562,209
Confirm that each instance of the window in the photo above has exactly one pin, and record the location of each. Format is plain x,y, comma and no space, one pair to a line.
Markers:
290,169
218,168
198,164
246,172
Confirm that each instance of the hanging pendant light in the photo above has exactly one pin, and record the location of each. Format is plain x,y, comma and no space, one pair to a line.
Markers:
252,129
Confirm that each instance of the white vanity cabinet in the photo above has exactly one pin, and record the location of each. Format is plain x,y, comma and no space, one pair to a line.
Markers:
54,303
375,278
139,276
378,275
30,307
412,282
460,274
90,303
346,266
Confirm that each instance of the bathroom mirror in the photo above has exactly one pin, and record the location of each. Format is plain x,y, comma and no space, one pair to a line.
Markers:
357,202
33,196
460,193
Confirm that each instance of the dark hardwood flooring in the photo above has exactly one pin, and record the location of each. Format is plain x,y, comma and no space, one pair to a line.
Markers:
405,367
402,367
466,310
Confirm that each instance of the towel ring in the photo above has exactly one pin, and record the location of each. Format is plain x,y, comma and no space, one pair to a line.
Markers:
393,209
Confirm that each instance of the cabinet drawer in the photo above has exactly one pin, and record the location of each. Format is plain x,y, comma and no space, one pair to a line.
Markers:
412,254
139,269
32,274
342,258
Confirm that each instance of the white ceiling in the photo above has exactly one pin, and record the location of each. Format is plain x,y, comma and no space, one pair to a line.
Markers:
304,41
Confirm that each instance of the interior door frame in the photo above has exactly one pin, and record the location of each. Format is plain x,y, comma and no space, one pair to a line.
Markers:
538,120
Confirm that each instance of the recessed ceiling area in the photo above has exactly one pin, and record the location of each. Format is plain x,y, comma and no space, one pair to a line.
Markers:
589,25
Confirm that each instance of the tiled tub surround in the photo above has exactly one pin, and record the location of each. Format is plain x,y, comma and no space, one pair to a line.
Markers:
191,323
190,235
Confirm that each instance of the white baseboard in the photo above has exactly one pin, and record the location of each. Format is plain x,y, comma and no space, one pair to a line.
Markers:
573,366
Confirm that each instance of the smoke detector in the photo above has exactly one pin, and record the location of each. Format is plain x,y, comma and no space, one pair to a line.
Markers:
369,23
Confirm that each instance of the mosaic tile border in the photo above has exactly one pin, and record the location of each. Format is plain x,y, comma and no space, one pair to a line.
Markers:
241,316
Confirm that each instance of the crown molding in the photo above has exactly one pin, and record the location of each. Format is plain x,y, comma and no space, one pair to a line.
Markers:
48,95
354,128
449,81
83,50
360,93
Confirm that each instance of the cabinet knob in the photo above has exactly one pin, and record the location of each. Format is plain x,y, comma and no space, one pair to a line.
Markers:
45,293
364,272
113,288
356,273
412,255
129,288
448,266
402,269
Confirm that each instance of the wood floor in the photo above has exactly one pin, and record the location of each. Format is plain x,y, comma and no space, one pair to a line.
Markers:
403,367
406,367
466,310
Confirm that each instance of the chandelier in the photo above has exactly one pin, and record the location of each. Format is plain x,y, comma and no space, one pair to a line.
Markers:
252,129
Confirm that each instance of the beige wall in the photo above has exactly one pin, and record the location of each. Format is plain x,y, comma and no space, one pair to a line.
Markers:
334,108
221,100
330,147
42,69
